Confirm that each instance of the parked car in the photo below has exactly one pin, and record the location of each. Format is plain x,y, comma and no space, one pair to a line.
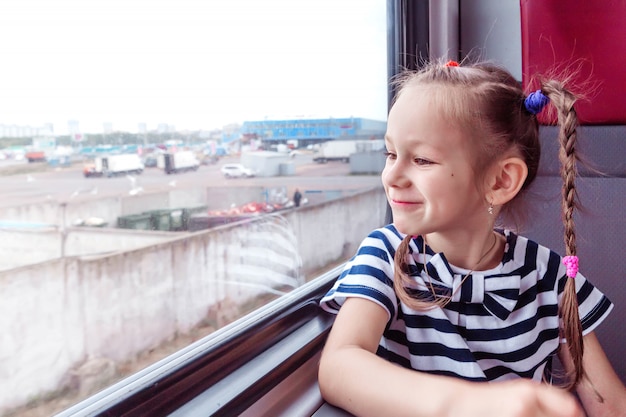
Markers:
209,159
236,171
150,161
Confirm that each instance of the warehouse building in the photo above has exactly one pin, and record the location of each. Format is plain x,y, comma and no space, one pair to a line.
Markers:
303,132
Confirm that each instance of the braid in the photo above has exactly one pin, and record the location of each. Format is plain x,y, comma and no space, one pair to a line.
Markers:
568,121
563,101
400,277
402,281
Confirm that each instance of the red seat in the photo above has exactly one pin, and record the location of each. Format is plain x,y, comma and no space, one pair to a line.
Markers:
589,36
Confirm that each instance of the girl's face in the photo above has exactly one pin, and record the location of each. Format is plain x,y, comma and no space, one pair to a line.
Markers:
428,176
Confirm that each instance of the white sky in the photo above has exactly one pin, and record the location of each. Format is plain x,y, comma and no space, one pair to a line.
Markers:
189,63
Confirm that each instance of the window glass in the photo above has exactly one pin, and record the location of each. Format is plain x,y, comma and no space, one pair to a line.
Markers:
167,166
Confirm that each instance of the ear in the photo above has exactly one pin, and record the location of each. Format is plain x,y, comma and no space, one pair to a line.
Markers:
505,180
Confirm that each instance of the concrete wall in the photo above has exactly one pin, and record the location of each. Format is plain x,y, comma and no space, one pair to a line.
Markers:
17,246
109,209
21,247
57,315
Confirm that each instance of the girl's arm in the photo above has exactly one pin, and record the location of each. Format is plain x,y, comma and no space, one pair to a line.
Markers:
601,379
352,377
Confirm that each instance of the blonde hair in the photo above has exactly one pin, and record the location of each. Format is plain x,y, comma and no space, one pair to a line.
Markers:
488,102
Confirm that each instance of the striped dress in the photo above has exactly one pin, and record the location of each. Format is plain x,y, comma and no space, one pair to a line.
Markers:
501,323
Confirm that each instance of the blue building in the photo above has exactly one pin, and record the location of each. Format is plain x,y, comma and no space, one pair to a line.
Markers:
310,131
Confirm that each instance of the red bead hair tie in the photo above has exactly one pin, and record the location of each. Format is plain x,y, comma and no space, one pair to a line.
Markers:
452,64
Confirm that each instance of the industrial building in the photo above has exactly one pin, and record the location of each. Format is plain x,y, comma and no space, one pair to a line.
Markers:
311,131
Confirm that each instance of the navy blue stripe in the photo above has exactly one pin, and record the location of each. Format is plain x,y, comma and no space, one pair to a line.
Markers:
584,292
466,290
332,304
438,349
414,270
380,235
466,309
366,291
393,357
361,269
599,310
373,251
396,336
523,353
512,242
495,307
530,260
508,293
499,371
525,326
439,290
454,374
552,272
530,295
426,322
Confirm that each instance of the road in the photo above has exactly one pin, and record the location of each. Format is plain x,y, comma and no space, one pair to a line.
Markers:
67,183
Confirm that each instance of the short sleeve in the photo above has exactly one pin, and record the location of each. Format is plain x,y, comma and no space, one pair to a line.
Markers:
593,305
367,275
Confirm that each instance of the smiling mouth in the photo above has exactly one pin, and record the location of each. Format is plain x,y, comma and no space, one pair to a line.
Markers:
404,203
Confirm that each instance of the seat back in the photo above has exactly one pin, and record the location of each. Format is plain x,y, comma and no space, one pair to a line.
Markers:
599,223
588,36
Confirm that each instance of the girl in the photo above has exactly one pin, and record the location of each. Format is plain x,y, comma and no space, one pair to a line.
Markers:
442,292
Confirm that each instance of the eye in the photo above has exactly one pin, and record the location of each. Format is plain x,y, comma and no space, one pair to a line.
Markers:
390,155
422,161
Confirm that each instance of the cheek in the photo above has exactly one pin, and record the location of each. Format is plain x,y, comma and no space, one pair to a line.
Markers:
386,176
448,187
383,176
458,179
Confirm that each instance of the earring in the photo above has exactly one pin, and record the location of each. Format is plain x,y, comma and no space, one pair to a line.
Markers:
490,209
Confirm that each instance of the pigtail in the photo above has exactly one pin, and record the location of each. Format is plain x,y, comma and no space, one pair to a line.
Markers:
402,281
563,101
400,278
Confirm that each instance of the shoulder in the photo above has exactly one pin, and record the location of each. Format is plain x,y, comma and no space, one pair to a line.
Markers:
522,244
388,233
386,238
529,257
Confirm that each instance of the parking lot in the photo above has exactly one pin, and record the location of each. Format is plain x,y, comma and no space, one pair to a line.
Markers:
38,182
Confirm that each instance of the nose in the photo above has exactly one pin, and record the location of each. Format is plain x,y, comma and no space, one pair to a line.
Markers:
394,174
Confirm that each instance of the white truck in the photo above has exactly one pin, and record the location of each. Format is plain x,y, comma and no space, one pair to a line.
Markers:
172,162
112,165
335,150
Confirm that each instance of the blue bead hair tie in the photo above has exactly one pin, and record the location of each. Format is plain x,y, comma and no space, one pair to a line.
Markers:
535,102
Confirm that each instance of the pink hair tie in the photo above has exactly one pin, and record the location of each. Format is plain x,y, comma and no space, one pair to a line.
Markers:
451,64
571,265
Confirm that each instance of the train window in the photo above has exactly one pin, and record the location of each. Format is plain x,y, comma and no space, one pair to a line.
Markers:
122,239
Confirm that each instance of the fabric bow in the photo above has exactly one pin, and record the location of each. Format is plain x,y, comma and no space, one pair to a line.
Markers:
497,293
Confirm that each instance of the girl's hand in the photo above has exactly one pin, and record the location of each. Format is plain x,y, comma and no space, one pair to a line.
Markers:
517,398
